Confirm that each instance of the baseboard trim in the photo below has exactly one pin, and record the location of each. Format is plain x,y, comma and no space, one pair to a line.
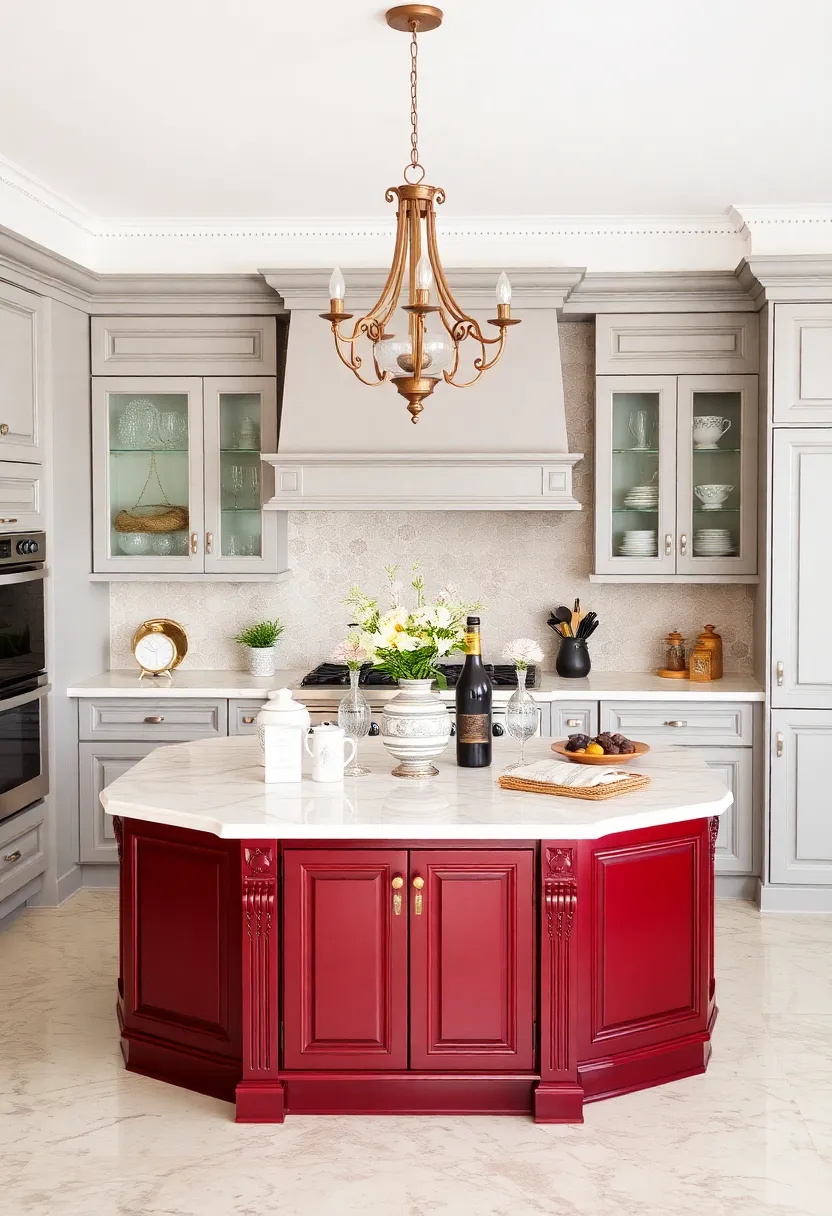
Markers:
99,877
737,886
781,898
408,1093
69,883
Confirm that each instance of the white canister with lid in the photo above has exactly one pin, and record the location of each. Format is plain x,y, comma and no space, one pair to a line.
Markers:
282,726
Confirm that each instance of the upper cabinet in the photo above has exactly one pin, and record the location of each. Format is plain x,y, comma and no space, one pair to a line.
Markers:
184,346
178,482
803,364
676,449
24,320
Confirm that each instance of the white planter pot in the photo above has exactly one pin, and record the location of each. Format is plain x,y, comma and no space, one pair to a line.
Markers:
415,728
261,660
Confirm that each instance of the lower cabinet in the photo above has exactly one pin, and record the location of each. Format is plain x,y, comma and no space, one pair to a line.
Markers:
98,765
735,843
409,958
801,824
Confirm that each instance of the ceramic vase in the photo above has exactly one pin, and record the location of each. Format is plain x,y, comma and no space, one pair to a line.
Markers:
261,660
415,728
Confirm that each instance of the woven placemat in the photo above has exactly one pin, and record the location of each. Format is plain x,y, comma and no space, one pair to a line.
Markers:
597,793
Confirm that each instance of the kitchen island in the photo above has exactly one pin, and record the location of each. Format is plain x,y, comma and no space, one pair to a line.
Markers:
382,947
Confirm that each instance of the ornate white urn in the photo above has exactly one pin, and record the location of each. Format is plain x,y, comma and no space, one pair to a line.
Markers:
415,728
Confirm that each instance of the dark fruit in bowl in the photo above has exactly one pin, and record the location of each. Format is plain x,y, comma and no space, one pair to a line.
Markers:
576,742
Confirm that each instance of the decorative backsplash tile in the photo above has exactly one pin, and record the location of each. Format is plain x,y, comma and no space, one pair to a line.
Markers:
518,563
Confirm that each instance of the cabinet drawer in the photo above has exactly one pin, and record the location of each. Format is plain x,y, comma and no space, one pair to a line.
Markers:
184,346
22,852
577,718
242,717
718,724
98,766
21,507
140,720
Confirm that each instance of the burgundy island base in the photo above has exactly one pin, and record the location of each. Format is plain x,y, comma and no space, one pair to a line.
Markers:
382,948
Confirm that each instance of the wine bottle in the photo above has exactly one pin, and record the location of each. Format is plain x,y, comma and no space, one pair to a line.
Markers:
473,704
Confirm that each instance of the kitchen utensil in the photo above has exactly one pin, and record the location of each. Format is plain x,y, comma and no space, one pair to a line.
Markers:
576,618
560,748
708,429
327,751
640,428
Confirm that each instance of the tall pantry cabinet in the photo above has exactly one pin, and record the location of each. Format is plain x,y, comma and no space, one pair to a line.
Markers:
800,676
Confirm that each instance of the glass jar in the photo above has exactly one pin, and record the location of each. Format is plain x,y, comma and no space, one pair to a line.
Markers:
354,717
674,659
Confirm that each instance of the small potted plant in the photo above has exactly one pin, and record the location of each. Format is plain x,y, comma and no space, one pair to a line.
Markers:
261,640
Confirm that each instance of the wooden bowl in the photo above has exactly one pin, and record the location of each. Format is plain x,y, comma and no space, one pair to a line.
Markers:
560,748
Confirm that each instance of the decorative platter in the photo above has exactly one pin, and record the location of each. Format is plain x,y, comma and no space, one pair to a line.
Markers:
560,748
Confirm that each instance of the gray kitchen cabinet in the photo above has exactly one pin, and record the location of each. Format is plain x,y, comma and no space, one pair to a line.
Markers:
22,856
573,718
675,496
24,352
194,444
643,344
735,842
242,716
802,364
184,346
801,583
21,496
800,850
98,765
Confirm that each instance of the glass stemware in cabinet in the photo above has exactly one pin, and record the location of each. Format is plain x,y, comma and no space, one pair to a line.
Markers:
522,717
354,717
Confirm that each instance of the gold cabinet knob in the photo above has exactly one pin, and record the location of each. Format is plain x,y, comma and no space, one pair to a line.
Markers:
418,883
398,883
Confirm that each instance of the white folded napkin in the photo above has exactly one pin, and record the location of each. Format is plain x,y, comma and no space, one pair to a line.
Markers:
561,772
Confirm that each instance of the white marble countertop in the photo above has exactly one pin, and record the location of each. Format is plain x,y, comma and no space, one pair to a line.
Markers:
217,786
598,686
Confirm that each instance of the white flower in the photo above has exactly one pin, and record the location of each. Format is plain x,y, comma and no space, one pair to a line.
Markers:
406,641
351,651
522,651
445,645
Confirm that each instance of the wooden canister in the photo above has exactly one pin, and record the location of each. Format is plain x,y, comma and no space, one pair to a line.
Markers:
706,656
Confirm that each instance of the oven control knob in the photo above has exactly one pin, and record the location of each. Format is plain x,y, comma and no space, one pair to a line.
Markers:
25,546
33,546
375,730
497,730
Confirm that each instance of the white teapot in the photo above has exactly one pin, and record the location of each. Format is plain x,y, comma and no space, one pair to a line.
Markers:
282,726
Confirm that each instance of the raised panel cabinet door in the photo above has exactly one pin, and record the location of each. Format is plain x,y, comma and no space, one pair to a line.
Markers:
635,475
802,364
184,346
240,423
716,488
345,959
801,824
98,766
801,586
472,959
734,843
676,344
21,496
24,341
147,458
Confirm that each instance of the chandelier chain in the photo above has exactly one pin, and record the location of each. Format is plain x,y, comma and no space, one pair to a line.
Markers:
414,165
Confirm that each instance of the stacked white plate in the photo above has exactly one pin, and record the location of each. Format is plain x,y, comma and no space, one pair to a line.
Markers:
712,542
639,543
642,498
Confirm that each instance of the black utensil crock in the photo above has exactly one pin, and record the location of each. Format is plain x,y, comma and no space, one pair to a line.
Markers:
573,660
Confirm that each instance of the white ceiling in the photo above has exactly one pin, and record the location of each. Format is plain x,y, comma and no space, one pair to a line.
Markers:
263,108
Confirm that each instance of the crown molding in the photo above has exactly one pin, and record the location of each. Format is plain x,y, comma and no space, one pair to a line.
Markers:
659,291
542,287
784,277
784,229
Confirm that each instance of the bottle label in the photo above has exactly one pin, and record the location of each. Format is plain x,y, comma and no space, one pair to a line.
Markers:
473,728
472,643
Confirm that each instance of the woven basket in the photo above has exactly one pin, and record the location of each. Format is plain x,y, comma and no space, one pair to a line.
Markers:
598,793
155,518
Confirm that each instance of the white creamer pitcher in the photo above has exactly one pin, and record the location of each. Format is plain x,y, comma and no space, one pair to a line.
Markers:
282,726
327,752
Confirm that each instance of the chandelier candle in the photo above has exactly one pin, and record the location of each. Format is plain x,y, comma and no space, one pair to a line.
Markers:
406,352
473,704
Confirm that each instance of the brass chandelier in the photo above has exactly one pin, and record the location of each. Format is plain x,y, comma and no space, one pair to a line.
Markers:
430,350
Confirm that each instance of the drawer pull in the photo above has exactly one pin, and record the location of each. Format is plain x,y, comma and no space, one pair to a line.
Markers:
4,428
248,719
8,521
15,856
154,719
676,723
573,722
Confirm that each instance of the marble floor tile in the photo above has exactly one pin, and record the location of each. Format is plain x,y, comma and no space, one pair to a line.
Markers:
79,1136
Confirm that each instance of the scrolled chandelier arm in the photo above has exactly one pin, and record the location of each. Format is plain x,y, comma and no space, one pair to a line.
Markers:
416,361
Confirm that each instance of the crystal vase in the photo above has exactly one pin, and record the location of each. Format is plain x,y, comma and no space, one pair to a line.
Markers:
522,716
354,717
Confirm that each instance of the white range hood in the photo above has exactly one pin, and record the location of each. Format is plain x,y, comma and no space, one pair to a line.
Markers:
497,446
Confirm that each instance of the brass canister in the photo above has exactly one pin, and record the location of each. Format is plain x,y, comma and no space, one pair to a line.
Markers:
706,656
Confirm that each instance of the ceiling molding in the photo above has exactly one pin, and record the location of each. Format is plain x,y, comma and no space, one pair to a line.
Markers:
541,287
784,229
783,277
680,291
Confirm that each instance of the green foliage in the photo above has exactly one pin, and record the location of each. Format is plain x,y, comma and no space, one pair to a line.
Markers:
411,664
261,635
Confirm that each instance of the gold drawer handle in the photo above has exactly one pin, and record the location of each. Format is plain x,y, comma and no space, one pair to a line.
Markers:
15,856
154,719
418,883
8,521
676,724
397,884
573,721
248,719
4,428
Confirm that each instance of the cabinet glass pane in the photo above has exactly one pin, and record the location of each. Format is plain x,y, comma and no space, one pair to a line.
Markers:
635,474
241,519
148,456
716,441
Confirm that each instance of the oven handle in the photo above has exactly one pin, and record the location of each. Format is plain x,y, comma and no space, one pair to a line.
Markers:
22,576
22,698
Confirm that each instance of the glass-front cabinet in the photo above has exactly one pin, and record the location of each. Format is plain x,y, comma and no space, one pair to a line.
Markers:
178,480
676,476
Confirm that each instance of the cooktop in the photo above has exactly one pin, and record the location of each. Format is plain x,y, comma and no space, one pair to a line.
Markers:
324,675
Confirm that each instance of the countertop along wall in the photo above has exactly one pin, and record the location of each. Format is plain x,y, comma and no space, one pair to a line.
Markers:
518,563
